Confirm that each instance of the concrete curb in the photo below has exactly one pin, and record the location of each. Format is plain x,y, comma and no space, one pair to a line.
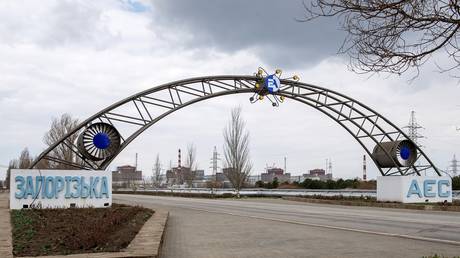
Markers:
376,204
149,240
147,243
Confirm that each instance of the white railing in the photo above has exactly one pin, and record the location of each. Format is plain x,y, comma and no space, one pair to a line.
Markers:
275,192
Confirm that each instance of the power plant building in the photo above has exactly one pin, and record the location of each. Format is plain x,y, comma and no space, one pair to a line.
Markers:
126,176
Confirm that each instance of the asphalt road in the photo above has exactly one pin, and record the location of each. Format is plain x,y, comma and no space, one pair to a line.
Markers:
277,228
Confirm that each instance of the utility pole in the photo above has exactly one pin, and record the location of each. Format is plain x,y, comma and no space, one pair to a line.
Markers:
179,168
214,163
330,166
413,130
328,169
214,166
454,166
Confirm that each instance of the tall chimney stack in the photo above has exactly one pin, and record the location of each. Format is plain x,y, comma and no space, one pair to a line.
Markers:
285,165
178,161
364,168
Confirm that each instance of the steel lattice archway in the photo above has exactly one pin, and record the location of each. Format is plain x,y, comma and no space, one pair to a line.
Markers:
140,111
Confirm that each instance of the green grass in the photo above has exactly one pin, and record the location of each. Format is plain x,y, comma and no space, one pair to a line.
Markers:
22,228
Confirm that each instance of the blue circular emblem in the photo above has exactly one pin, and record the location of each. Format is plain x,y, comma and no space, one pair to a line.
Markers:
272,83
101,141
405,153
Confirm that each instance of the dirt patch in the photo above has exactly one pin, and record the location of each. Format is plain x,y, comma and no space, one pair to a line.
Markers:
68,231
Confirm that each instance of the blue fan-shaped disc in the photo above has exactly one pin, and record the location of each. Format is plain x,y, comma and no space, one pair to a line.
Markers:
405,153
101,141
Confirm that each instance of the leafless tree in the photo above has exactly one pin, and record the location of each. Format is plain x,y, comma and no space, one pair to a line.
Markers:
157,171
189,171
59,128
393,36
236,151
24,161
12,165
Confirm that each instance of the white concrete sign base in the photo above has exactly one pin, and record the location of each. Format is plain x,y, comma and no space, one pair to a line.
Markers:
40,188
414,189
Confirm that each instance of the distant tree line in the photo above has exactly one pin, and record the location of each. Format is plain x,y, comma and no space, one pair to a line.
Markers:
456,183
333,184
318,184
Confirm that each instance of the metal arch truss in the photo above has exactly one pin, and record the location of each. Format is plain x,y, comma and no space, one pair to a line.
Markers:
142,110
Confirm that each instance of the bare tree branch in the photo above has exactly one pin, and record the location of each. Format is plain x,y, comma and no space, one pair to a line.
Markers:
393,36
59,128
190,165
24,161
157,171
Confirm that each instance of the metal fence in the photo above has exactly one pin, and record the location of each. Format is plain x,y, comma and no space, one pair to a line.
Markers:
276,192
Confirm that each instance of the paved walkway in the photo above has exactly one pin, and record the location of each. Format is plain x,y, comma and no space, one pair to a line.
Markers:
6,247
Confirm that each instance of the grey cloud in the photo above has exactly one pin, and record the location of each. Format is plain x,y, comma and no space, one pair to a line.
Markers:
268,28
77,23
61,23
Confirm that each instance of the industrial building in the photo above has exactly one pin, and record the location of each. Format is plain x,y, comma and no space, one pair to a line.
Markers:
182,175
272,173
318,174
126,176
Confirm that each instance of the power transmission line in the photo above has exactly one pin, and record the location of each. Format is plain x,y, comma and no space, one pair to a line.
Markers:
413,130
215,158
454,166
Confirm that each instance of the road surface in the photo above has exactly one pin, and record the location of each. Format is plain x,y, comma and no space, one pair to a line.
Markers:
278,228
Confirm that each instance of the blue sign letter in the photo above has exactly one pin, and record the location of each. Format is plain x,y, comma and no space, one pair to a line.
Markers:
428,188
20,187
84,188
58,186
49,187
414,189
29,187
440,191
92,187
76,186
104,188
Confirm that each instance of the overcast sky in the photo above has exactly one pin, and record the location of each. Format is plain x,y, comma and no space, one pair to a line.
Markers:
78,57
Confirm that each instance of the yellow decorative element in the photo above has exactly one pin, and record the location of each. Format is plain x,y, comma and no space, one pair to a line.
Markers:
261,97
260,71
282,98
296,78
257,85
278,71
